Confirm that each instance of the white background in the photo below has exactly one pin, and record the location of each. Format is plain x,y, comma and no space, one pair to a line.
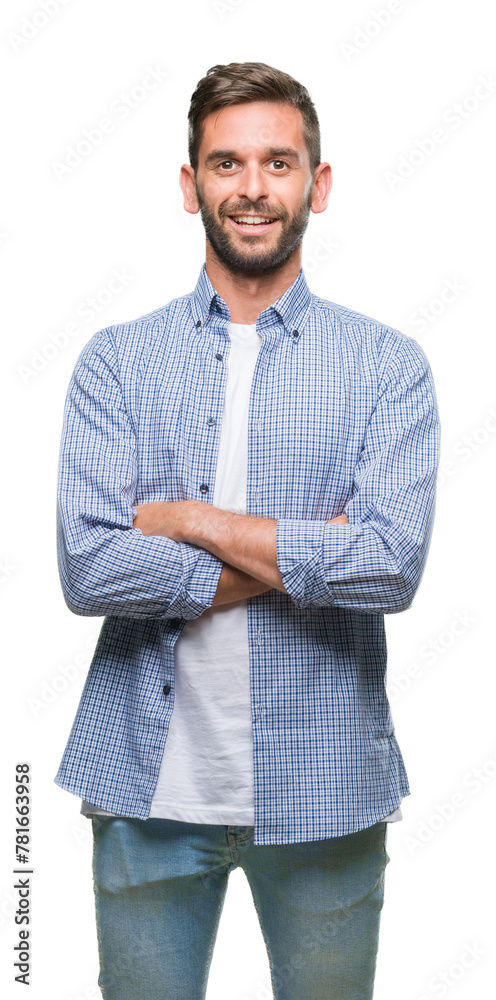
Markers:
387,246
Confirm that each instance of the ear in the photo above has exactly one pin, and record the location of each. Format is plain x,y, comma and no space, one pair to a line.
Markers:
187,182
322,184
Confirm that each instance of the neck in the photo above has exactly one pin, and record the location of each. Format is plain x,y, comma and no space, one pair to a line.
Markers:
247,295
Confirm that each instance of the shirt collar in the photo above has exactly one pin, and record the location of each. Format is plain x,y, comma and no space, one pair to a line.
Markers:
291,308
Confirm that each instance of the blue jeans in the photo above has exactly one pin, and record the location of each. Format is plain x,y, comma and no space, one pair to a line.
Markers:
160,886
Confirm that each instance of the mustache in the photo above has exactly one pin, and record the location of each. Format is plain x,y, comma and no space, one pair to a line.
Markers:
249,209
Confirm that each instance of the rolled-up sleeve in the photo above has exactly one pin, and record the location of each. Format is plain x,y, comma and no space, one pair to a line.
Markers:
106,566
375,563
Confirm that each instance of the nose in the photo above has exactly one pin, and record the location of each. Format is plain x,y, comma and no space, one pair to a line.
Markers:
253,183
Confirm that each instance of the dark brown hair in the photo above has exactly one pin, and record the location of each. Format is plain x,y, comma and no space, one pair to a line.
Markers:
240,83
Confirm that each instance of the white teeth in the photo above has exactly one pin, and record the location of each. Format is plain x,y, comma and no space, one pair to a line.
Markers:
251,220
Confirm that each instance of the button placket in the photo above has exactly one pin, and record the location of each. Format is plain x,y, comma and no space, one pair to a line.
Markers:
215,378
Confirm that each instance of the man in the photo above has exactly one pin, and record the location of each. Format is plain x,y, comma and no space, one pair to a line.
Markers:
246,488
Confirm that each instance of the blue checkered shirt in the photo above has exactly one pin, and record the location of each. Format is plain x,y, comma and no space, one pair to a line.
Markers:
343,418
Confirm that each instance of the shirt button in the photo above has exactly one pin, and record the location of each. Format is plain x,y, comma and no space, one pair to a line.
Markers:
211,421
219,308
167,688
219,357
198,322
203,488
296,333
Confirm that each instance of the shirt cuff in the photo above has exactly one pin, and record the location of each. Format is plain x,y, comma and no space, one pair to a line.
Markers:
200,576
299,547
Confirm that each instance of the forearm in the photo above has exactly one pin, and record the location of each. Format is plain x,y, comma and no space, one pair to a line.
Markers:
234,585
247,543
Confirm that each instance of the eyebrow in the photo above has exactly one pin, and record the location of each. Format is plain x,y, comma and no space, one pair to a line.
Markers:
280,152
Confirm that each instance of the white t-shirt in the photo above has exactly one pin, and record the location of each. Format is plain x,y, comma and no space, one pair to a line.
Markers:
206,775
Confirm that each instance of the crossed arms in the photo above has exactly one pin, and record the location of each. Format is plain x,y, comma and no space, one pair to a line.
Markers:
245,544
179,558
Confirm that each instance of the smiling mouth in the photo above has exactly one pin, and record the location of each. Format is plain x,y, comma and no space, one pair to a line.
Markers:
252,223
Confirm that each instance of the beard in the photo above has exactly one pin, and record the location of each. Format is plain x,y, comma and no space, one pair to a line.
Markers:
254,261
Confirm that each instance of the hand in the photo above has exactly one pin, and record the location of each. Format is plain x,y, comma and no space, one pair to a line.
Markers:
340,519
170,518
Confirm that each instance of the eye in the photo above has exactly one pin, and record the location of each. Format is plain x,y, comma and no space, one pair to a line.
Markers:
224,162
280,162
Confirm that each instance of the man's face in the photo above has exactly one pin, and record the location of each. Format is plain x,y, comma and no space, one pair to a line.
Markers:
254,166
